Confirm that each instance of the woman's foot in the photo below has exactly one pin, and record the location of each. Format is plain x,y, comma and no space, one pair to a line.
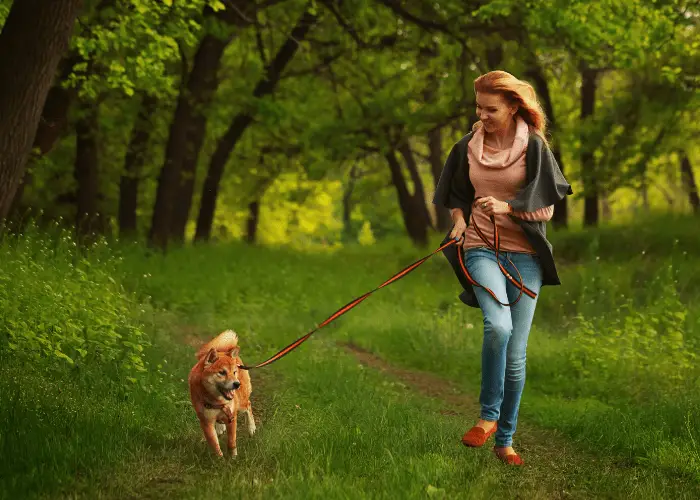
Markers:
487,425
477,435
507,455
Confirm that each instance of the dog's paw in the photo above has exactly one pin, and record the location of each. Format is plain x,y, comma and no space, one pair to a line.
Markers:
234,452
220,429
251,428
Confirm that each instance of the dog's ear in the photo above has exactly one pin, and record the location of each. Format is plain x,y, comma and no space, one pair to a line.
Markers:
234,352
211,357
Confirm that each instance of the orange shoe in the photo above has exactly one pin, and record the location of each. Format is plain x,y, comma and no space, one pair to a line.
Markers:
476,436
512,459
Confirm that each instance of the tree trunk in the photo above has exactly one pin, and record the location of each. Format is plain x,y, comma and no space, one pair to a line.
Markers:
426,54
201,86
606,211
494,56
347,202
418,190
253,221
412,212
644,194
240,123
184,142
168,177
443,221
210,190
588,90
54,116
688,179
188,128
17,211
133,167
86,171
33,39
561,209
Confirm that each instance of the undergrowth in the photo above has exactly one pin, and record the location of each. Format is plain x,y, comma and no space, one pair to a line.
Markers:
95,346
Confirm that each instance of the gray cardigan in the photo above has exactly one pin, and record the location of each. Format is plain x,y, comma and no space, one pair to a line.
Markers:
545,185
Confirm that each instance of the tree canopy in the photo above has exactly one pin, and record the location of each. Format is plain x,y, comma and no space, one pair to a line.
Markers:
296,121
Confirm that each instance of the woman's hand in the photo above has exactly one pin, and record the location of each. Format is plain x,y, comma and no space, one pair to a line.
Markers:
491,206
460,226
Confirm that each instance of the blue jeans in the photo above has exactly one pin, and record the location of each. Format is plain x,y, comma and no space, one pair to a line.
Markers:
506,330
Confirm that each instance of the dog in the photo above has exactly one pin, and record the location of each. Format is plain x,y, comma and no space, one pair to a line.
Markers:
219,389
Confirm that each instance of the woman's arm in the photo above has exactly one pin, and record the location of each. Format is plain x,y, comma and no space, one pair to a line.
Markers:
459,226
541,214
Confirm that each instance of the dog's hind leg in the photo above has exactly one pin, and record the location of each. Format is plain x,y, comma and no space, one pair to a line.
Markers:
231,434
249,419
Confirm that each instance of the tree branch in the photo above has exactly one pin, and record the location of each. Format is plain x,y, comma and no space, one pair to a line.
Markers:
325,63
343,23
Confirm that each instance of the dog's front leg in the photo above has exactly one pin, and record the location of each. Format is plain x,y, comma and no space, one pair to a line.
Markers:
210,434
231,434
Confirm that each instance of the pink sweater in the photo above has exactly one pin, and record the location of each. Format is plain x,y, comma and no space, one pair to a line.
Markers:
500,173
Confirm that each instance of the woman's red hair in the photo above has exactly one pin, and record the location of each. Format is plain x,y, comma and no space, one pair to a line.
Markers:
515,91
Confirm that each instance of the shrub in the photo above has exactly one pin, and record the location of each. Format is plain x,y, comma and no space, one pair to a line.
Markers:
65,307
646,344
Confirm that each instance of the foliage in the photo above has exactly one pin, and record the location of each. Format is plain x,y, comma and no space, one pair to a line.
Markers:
64,310
647,345
369,76
136,45
4,10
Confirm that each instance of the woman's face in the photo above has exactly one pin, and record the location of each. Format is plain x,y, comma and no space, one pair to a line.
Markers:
494,111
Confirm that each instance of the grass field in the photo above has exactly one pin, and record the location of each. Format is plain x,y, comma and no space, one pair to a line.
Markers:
95,349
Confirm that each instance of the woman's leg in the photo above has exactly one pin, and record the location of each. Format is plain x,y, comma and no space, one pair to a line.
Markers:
481,264
521,316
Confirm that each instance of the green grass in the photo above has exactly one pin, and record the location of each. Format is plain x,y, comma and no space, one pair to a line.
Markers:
611,376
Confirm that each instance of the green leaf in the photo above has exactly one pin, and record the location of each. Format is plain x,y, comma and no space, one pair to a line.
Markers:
63,356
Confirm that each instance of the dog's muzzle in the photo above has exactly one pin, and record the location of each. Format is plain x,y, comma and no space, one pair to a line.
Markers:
227,392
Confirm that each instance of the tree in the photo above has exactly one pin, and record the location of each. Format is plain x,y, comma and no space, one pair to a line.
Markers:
87,170
689,181
133,166
588,90
242,120
34,37
188,127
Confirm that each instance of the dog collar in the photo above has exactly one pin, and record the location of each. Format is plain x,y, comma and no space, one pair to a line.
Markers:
223,407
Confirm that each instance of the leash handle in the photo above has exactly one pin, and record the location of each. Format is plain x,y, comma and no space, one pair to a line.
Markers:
496,247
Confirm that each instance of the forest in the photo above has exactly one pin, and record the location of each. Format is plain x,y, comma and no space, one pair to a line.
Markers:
170,170
283,121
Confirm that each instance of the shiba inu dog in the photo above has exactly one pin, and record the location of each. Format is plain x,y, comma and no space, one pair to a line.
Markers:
219,390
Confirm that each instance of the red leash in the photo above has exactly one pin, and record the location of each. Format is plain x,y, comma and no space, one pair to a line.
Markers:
495,246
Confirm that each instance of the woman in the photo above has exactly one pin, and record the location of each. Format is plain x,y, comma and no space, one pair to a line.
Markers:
503,169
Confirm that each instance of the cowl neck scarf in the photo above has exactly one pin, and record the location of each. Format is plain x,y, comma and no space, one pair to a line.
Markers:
490,157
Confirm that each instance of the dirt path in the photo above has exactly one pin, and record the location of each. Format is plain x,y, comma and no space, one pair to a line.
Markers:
553,463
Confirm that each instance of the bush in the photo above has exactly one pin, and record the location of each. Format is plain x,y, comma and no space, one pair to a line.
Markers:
62,306
647,345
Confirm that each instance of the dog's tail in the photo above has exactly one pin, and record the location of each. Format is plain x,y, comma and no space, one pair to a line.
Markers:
223,342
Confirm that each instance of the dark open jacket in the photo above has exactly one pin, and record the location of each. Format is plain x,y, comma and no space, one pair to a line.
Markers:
545,185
